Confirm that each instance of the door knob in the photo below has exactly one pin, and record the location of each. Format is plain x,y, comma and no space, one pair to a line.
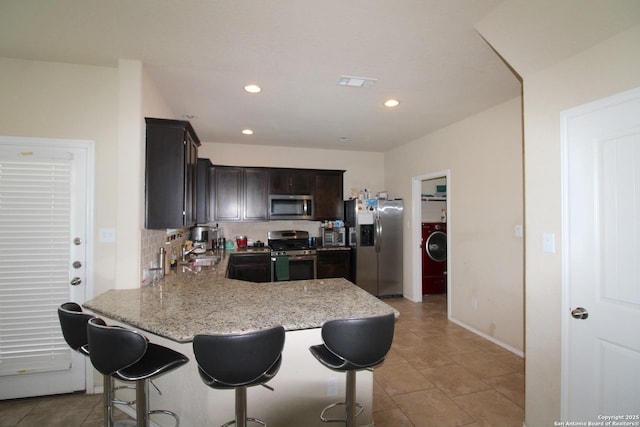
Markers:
579,313
75,281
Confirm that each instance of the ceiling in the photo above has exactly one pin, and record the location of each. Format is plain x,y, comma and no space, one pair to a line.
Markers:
201,53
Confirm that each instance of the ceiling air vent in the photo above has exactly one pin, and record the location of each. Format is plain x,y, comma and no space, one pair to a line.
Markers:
356,81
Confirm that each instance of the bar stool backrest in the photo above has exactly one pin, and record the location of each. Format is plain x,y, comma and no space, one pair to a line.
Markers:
363,342
73,322
112,348
236,360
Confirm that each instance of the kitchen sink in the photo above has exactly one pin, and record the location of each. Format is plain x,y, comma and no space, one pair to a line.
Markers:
202,260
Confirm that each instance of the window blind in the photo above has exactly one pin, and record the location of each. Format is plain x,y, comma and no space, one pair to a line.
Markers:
35,234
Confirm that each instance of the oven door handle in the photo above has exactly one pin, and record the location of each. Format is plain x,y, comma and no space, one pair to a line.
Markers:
297,257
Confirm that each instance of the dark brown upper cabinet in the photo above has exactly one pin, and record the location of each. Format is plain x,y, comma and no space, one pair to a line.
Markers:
203,211
328,195
291,181
170,174
240,194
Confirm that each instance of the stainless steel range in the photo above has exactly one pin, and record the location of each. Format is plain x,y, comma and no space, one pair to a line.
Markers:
291,256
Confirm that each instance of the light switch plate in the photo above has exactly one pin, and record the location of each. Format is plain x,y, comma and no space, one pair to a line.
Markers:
549,243
517,230
107,235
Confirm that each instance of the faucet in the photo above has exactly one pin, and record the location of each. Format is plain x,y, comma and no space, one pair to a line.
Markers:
184,252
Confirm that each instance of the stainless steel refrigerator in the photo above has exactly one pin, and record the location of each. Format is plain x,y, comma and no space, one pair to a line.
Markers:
375,237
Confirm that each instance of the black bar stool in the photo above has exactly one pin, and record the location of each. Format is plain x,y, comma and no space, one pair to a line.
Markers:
73,322
239,361
127,355
351,345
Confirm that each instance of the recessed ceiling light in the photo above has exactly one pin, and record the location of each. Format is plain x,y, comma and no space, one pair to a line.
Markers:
247,131
351,81
391,103
253,88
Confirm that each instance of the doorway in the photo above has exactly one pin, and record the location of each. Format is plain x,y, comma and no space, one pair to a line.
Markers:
46,188
433,207
601,241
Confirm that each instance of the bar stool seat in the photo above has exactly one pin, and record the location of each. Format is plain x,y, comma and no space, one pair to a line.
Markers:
73,322
127,355
238,361
350,345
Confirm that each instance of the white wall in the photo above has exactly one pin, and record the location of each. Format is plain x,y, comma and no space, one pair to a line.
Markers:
585,68
53,100
608,68
484,156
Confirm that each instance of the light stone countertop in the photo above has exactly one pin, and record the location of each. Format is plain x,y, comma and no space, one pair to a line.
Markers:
187,303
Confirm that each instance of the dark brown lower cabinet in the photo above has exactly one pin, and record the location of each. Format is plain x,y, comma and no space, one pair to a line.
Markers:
334,263
250,267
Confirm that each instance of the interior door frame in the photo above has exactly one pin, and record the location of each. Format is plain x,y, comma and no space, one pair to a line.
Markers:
566,320
88,147
416,234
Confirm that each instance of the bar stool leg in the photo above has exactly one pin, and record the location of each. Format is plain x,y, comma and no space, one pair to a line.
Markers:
351,399
241,406
107,396
142,403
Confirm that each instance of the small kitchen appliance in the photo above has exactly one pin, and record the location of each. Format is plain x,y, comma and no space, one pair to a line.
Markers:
334,236
204,236
291,256
241,242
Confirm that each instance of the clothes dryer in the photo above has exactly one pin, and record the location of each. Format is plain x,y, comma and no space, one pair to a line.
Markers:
434,258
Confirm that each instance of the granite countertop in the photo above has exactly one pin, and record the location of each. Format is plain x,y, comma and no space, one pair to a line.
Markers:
202,300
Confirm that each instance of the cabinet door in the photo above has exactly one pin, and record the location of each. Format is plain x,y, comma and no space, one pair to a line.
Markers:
227,193
170,174
256,192
250,267
288,181
301,182
165,171
203,211
334,264
327,196
190,182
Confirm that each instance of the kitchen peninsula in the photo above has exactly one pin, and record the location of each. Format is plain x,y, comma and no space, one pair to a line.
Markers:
191,302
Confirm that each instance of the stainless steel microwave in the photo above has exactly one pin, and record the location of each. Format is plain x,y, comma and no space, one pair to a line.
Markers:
290,206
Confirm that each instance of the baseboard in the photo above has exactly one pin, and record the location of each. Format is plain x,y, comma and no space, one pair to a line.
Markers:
488,337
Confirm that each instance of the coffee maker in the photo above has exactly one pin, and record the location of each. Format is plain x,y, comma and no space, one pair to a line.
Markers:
205,236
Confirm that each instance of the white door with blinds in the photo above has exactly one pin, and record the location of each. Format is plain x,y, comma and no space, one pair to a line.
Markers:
45,218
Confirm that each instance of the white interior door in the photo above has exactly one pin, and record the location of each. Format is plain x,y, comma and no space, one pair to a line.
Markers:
44,223
601,266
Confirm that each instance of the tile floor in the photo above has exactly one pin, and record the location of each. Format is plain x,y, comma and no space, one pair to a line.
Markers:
437,374
440,374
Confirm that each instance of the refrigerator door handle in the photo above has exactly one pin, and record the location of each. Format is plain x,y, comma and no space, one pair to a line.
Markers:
377,237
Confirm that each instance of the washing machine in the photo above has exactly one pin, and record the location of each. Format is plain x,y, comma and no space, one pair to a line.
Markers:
434,258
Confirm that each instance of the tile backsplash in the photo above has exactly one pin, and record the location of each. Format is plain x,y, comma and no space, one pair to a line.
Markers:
258,230
153,240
